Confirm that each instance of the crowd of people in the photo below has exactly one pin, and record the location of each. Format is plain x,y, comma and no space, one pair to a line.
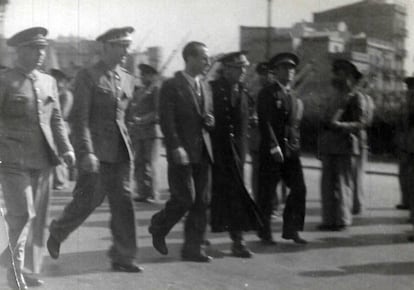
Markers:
208,129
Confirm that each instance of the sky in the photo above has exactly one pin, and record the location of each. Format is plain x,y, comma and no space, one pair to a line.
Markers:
170,23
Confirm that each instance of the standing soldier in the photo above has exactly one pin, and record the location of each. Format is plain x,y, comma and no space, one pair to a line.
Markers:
360,161
340,142
142,119
32,137
404,135
186,119
232,208
406,151
280,113
102,93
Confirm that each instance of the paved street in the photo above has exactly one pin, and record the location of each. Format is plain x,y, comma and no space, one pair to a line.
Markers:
373,254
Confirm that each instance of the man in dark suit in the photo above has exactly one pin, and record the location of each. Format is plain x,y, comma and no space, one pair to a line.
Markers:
142,119
102,93
32,137
185,119
280,113
232,209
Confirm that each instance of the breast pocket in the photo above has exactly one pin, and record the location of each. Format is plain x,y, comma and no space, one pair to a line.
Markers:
16,106
103,100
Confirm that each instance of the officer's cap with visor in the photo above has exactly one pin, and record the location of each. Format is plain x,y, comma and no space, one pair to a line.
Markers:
120,35
283,58
34,37
147,69
235,59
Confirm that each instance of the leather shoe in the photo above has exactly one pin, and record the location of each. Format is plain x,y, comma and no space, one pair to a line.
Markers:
53,246
326,228
295,237
402,206
268,241
206,243
196,257
158,242
130,268
141,199
340,228
32,281
16,280
241,251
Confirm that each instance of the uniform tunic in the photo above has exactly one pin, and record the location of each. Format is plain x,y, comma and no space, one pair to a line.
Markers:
32,136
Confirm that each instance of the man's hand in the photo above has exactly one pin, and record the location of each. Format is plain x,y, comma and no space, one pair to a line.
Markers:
90,163
277,154
180,157
69,158
209,120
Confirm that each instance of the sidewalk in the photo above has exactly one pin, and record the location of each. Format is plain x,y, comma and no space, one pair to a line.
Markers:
373,166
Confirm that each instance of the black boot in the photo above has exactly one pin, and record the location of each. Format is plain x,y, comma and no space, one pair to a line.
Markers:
239,248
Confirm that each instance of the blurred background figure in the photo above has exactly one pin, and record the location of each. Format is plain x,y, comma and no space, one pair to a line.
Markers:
142,119
405,143
360,161
61,172
405,146
339,144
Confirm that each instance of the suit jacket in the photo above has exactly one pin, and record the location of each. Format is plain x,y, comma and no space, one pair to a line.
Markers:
32,131
101,98
279,119
182,118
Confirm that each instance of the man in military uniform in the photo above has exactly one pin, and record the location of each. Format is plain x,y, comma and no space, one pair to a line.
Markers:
340,142
404,136
102,93
186,119
32,137
280,112
406,151
232,209
142,119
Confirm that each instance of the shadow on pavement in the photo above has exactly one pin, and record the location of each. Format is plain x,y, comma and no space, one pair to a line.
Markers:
389,268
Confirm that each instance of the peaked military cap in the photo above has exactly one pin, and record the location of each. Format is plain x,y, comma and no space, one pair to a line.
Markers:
262,68
147,69
236,58
284,57
58,74
410,82
117,35
347,66
35,36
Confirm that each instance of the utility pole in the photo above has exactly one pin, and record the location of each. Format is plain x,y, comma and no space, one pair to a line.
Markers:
269,29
